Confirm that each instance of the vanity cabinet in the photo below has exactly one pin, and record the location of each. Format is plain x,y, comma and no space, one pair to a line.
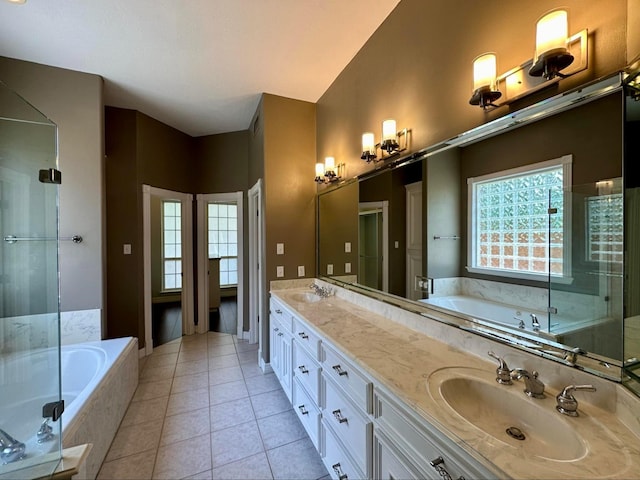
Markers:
407,446
361,429
280,336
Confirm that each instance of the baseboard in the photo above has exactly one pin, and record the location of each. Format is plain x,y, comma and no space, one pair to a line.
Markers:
265,367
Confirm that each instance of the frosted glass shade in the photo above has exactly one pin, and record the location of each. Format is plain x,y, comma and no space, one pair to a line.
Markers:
389,130
484,71
319,170
329,164
551,32
368,142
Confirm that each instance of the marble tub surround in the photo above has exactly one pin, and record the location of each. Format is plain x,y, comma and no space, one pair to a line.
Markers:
400,351
575,306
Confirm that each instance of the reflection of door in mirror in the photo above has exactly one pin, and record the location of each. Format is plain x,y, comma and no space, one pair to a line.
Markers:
373,245
414,239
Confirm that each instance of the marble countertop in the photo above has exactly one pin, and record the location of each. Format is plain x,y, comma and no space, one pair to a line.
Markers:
402,360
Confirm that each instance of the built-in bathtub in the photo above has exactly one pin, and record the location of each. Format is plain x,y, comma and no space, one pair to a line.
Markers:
98,380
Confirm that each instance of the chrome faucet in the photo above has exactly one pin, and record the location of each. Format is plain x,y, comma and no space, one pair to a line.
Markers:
503,374
11,449
567,403
535,324
45,432
533,387
322,292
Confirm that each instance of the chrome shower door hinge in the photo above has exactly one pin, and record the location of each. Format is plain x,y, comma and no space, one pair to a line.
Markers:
50,175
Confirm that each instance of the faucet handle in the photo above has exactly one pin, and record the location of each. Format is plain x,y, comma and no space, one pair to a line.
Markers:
503,373
567,403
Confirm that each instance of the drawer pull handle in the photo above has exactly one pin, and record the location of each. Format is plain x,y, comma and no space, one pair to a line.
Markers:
276,329
339,370
339,417
280,334
303,335
278,311
438,464
303,369
338,469
303,411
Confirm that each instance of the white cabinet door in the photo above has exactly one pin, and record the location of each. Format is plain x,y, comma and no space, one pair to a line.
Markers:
389,464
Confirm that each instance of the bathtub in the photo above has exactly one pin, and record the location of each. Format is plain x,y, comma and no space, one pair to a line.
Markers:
493,312
90,374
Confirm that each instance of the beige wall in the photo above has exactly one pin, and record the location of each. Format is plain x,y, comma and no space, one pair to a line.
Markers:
289,194
417,68
73,100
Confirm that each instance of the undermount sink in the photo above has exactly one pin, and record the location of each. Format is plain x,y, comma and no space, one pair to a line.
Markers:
506,413
306,297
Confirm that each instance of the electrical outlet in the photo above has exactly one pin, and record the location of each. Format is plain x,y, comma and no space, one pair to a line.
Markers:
126,249
397,244
279,271
347,267
347,247
279,248
301,270
330,269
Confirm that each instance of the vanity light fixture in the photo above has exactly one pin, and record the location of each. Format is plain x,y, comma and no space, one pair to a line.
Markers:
485,90
329,172
552,54
368,147
556,57
391,137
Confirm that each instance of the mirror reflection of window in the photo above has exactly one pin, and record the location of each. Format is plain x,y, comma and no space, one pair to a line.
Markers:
513,230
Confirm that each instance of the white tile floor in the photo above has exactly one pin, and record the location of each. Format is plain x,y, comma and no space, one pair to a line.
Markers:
204,410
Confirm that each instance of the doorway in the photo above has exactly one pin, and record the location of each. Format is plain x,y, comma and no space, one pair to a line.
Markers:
168,268
221,263
257,278
373,245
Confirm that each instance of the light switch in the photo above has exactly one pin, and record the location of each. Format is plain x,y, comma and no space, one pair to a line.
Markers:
347,267
330,269
279,248
347,247
397,244
301,270
280,271
126,249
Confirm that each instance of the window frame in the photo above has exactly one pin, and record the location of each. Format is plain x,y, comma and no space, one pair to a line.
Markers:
164,288
565,162
226,258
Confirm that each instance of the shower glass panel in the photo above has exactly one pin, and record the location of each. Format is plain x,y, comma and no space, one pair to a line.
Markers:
586,267
30,443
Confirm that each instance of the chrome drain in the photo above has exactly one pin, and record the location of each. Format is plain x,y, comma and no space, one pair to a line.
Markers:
515,432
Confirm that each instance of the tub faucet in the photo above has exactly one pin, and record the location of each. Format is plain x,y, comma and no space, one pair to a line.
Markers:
45,432
10,448
532,386
535,323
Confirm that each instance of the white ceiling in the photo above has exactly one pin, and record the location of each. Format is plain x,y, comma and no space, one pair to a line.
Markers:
197,65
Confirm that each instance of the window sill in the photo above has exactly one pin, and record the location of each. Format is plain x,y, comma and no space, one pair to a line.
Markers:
521,275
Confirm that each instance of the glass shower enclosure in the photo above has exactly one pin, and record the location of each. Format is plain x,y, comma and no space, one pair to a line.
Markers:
30,382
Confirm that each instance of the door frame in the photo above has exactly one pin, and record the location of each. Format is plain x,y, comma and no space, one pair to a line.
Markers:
257,279
383,206
187,302
203,257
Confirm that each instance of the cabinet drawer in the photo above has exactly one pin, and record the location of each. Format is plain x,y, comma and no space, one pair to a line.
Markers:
338,462
278,313
307,371
306,338
307,412
348,422
347,376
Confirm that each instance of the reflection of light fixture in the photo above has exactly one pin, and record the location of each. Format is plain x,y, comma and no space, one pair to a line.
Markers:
552,54
368,147
19,2
485,91
328,171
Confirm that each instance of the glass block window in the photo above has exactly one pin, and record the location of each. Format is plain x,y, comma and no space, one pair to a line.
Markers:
223,240
512,232
171,246
605,228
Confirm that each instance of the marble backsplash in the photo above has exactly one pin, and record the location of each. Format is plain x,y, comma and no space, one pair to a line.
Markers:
575,306
41,331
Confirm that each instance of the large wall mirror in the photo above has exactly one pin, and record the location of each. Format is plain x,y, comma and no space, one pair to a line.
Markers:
524,229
